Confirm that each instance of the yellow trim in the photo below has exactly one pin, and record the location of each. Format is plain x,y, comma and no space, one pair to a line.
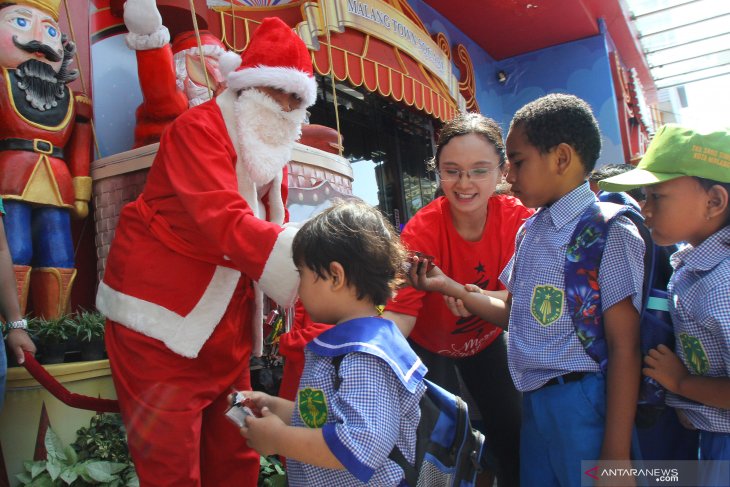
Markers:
19,378
36,147
57,128
83,99
82,188
243,8
42,187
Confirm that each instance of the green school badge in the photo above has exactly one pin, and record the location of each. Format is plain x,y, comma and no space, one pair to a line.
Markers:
694,354
547,304
312,407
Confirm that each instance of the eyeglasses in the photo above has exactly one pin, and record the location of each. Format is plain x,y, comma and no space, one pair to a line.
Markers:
475,174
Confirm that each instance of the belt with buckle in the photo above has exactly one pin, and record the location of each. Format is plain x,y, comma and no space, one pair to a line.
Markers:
569,377
36,145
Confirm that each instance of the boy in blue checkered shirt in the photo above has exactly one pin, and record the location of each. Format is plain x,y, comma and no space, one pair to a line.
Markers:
686,177
571,412
346,418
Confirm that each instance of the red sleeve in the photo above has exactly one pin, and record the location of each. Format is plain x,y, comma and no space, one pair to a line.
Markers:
161,97
291,347
79,149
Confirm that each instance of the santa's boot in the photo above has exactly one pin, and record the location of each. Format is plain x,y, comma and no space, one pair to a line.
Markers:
22,278
51,291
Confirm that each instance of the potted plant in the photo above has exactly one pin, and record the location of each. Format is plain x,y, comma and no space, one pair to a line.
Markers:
52,336
99,456
89,330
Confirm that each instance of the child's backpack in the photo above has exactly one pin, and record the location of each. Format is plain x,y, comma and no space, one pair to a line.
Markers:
583,295
448,450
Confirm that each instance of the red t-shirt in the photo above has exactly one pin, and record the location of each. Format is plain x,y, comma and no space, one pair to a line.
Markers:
432,232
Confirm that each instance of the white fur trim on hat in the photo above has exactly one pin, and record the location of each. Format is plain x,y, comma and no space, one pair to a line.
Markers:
287,79
228,62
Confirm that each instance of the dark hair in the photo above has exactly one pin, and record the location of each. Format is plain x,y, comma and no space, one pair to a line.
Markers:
465,124
610,170
707,184
556,119
359,237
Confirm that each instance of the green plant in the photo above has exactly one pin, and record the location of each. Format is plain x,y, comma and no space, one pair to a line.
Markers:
54,330
104,439
271,473
89,325
62,466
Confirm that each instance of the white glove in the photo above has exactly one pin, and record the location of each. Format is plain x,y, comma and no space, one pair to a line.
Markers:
142,17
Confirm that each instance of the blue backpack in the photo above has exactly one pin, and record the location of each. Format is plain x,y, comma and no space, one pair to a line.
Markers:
583,295
448,450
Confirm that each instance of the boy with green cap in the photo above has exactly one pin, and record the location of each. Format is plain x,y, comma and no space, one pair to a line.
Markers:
686,177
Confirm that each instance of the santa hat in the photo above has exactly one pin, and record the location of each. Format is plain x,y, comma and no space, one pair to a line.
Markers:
188,40
275,57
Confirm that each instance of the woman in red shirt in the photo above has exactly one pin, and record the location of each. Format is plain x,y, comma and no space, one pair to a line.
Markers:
470,232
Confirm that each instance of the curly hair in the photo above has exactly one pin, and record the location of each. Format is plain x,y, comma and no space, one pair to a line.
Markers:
558,118
362,240
465,124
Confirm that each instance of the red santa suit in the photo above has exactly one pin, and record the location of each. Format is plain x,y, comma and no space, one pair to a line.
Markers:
179,284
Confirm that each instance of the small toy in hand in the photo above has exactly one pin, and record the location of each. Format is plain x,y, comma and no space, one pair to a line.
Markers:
241,407
428,259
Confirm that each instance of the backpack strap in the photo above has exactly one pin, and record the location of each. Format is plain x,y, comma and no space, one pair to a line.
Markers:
582,291
409,471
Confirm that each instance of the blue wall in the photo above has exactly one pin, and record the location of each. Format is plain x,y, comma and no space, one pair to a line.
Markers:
580,68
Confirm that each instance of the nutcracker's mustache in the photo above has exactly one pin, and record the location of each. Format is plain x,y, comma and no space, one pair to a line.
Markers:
36,46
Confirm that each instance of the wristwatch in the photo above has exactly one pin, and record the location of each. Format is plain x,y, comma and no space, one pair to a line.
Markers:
18,325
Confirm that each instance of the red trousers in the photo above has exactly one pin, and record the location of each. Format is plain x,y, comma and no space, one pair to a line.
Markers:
173,407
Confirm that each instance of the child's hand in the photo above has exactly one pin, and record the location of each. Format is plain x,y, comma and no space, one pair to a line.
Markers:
456,306
262,434
665,367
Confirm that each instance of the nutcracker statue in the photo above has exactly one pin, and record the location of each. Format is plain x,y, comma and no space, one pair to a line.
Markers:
45,137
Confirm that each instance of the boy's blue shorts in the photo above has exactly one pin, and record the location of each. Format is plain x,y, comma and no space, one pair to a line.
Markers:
562,425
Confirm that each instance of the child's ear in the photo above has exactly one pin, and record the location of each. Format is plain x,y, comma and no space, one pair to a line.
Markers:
717,201
565,156
337,275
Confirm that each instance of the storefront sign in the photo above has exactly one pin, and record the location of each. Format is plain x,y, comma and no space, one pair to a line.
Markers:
382,21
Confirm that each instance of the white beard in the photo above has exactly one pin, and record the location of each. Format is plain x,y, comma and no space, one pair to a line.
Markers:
265,134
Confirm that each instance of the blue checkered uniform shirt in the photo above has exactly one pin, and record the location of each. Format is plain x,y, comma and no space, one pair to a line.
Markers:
700,307
539,351
367,415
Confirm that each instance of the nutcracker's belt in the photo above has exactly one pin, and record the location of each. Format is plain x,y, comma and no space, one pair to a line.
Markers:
36,145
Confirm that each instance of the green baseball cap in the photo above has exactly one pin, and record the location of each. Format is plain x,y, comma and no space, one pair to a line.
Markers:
674,152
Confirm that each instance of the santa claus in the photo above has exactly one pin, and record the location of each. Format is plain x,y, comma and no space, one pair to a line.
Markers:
191,259
172,77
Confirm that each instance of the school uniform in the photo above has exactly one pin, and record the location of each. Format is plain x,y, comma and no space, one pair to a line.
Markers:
564,397
374,407
700,307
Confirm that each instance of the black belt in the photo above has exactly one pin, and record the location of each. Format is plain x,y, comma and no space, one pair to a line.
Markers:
569,377
36,145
